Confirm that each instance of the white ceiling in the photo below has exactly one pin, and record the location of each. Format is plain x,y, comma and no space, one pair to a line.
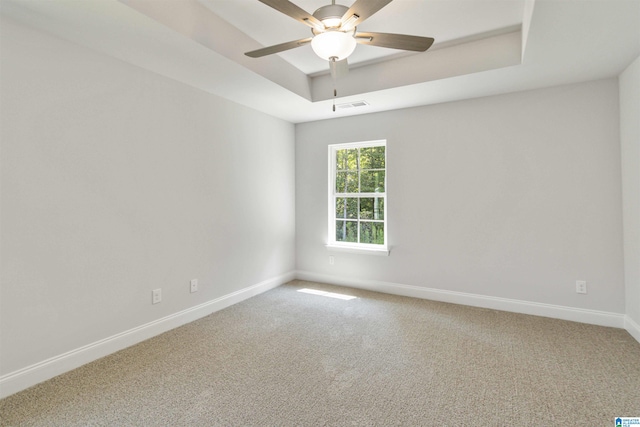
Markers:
444,20
483,47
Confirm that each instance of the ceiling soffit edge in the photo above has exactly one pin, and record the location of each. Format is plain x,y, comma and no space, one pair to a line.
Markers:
526,24
195,21
489,53
436,46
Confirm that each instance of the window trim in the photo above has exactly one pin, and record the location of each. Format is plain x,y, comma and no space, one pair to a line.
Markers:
332,244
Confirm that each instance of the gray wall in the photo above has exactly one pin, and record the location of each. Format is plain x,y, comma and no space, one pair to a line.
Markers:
514,196
116,181
630,140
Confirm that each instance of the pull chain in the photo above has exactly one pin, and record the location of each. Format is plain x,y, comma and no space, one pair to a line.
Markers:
334,75
335,94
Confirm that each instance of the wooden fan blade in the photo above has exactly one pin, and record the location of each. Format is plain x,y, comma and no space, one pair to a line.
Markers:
339,68
395,41
295,12
361,10
278,48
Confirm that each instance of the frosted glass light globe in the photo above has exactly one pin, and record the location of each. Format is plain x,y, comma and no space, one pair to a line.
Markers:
333,44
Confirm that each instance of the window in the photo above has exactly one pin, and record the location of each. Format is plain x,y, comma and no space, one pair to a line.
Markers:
357,196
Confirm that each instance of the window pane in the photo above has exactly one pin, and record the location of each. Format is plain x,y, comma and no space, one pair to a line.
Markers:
372,232
372,158
346,231
346,182
372,208
347,159
347,208
357,172
372,181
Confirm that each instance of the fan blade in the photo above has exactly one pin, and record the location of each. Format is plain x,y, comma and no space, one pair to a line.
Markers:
395,41
339,68
295,12
278,48
361,10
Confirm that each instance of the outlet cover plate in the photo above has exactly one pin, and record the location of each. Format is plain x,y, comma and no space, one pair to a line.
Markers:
156,296
581,286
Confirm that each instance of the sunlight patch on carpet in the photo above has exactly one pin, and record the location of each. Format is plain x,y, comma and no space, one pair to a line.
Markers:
327,294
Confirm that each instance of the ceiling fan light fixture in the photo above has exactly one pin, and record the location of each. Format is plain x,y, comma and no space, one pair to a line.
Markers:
330,15
333,45
332,22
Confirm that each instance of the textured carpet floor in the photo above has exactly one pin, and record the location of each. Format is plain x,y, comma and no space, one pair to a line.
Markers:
287,358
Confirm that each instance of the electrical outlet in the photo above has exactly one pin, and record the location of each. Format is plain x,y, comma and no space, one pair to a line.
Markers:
194,285
581,286
156,296
331,260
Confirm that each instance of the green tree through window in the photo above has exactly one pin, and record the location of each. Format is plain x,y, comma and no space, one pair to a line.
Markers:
358,193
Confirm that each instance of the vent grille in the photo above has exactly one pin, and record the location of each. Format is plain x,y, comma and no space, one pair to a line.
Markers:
349,105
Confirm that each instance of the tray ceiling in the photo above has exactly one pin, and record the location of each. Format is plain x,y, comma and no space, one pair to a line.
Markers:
483,47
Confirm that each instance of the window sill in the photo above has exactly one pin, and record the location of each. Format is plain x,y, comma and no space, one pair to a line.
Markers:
359,250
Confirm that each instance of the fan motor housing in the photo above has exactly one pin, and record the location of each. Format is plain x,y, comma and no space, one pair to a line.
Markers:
331,11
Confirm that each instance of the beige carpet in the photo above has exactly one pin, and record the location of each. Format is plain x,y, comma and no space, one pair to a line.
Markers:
287,358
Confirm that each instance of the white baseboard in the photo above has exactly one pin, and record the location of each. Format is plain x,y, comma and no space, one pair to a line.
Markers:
594,317
632,327
31,375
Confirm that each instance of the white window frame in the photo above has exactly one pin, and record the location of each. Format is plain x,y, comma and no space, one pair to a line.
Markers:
354,247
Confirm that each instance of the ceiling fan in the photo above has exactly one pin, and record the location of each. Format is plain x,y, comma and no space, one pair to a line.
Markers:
335,34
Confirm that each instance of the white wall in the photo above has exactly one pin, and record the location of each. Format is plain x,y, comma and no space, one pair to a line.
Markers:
630,141
514,196
116,181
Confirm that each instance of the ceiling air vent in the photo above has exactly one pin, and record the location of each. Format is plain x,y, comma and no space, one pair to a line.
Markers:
349,105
